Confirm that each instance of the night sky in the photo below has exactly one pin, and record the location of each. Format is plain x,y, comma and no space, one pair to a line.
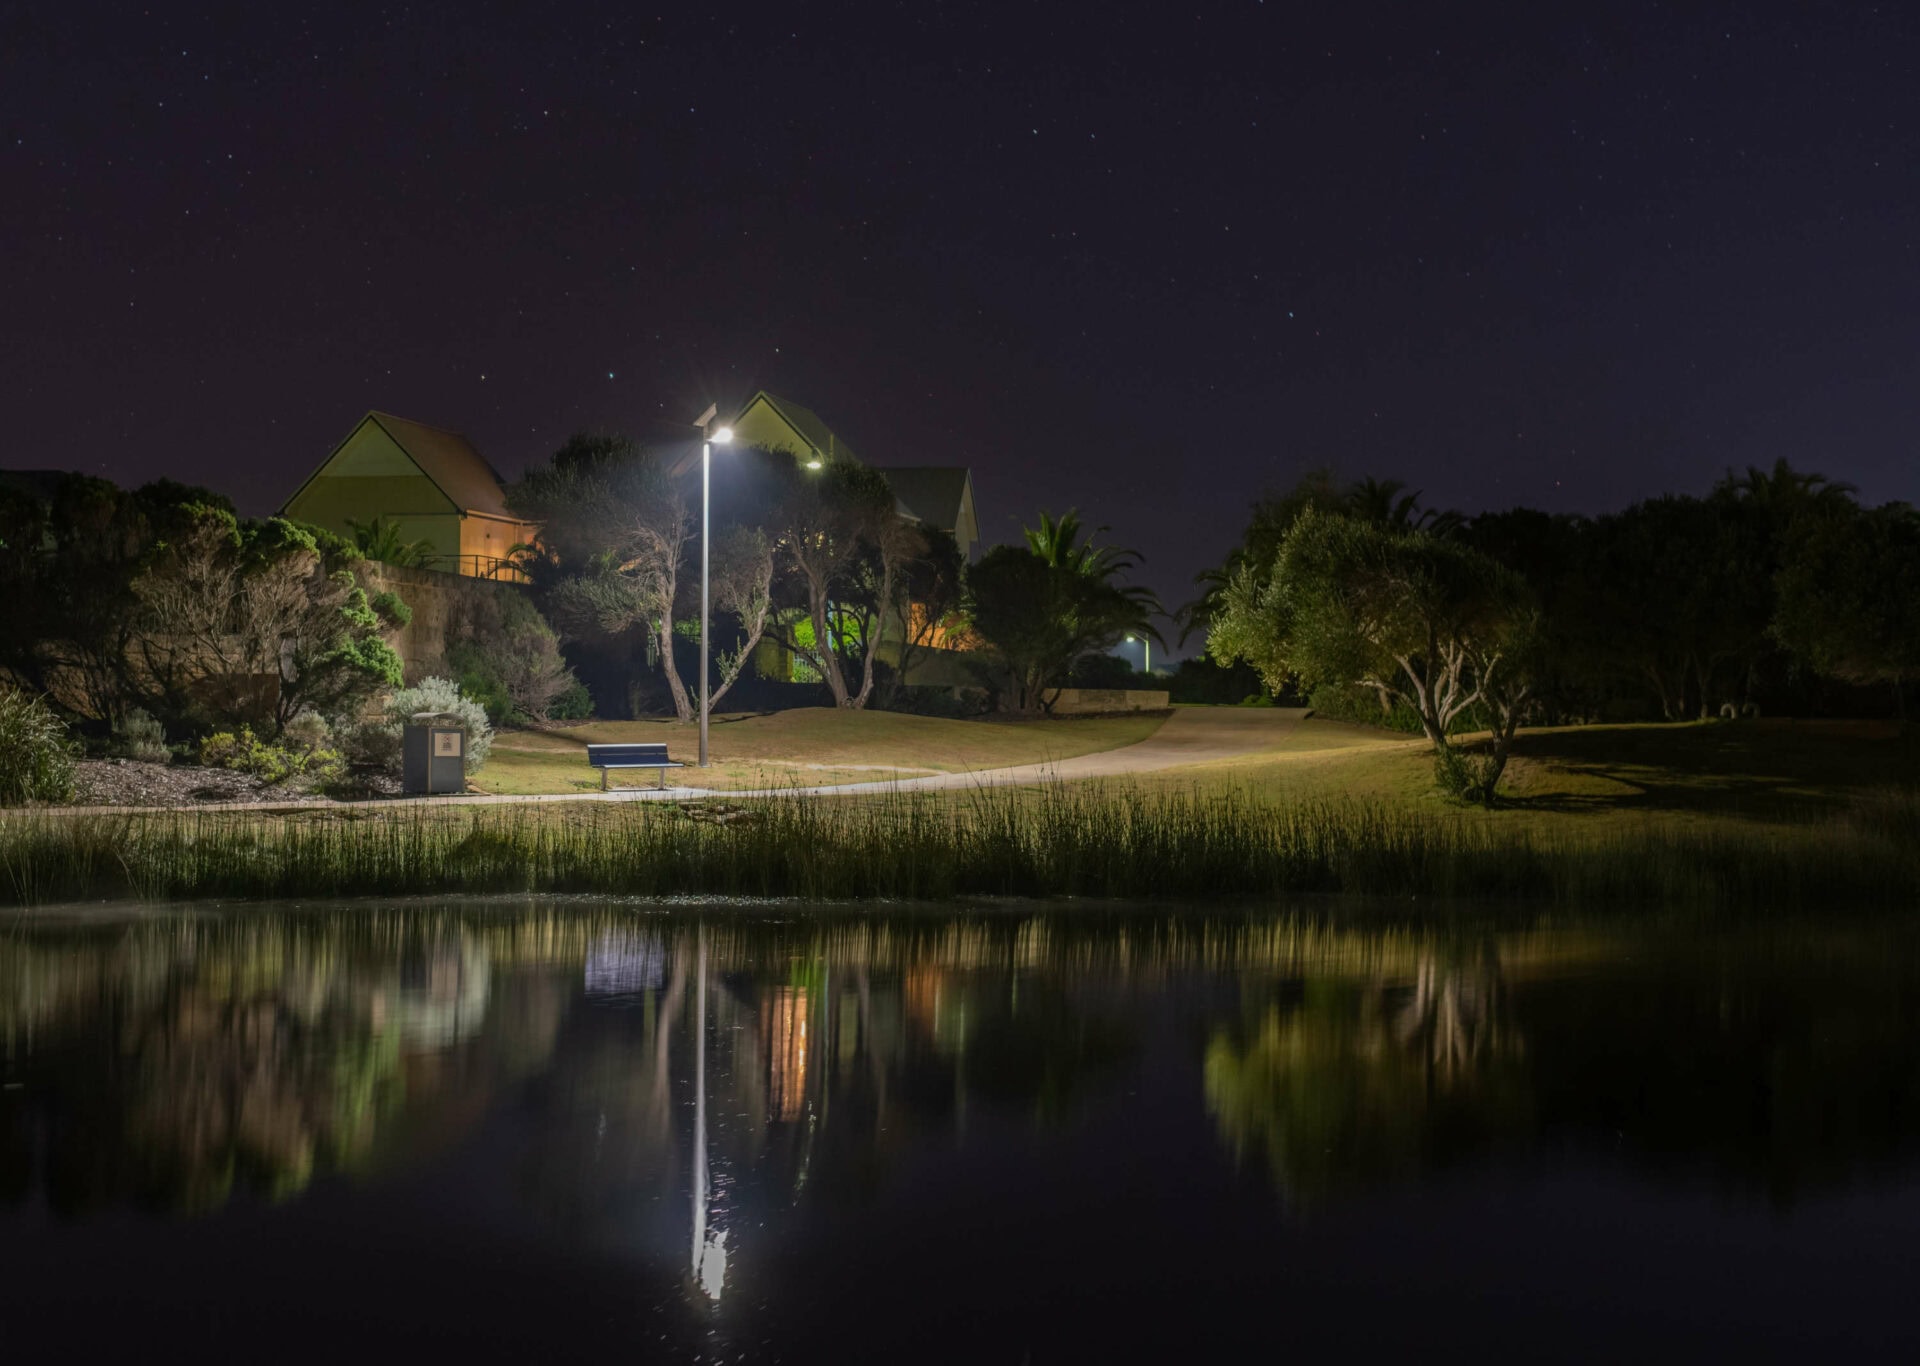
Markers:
1146,259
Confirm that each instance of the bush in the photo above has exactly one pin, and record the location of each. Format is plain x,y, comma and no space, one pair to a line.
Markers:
935,699
140,737
506,657
1463,774
307,732
371,744
575,704
443,695
245,752
36,757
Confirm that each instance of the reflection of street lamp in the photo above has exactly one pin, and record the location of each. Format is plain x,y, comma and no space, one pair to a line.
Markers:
719,436
709,1245
1146,653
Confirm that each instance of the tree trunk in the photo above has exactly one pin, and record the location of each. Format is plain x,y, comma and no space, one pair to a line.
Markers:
874,637
682,705
755,629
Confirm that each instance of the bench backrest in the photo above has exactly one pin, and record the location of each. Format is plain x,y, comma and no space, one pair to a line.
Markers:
603,756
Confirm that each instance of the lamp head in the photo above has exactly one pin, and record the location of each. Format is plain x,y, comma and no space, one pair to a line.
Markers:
722,436
813,464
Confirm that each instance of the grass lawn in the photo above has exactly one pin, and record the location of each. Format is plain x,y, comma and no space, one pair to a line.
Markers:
1599,779
801,747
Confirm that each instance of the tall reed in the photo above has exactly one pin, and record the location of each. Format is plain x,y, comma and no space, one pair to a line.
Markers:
1085,841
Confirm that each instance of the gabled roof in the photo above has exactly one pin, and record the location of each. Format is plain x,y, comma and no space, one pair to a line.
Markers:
447,459
450,461
937,496
806,424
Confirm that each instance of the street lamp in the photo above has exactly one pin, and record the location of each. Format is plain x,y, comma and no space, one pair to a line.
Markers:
1146,653
719,436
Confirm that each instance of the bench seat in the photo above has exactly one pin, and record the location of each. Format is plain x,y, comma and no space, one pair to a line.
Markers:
609,757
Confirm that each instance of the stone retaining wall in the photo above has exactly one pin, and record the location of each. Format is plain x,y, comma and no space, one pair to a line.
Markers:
1069,701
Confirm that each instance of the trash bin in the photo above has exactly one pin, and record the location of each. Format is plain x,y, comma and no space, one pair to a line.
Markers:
433,754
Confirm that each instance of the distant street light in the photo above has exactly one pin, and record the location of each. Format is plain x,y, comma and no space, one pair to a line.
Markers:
719,436
1146,653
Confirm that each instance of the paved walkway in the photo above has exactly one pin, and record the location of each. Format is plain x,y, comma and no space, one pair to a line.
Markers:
1192,735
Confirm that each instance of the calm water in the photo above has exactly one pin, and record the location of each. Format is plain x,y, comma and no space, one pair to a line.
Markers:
539,1131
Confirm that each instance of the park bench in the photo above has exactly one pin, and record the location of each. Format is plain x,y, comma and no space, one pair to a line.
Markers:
608,757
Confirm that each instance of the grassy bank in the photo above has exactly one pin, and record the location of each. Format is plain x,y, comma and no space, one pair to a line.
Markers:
806,745
1077,840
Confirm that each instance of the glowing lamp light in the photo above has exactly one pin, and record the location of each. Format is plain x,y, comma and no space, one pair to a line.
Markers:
813,464
722,436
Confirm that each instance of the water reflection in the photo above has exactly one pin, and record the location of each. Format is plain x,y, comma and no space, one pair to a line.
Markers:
682,1088
1342,1081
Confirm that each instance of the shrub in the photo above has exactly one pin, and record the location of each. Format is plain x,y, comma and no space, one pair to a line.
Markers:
140,737
575,704
1464,774
387,605
307,732
443,695
36,757
245,752
506,657
373,744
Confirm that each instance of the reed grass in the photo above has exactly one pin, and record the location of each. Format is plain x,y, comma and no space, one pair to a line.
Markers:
1079,841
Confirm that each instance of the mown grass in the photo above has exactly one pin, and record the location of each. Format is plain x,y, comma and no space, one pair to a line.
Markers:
1086,840
808,744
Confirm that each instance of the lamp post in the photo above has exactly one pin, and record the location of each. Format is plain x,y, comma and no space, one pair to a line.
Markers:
719,436
1146,653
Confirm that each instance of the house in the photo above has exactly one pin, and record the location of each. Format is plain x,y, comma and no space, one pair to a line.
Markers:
938,496
430,484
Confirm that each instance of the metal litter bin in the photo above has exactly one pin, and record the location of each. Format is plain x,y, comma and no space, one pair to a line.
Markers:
433,754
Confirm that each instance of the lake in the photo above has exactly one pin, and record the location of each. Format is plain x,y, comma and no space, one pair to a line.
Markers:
539,1130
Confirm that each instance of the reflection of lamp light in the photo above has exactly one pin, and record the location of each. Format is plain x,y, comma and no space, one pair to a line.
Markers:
786,1025
709,1244
713,1265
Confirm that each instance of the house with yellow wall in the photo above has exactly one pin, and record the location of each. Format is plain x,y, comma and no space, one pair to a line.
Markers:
429,483
938,496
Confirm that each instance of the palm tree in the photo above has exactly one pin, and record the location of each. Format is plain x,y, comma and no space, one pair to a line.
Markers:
1057,541
1383,502
380,540
1783,492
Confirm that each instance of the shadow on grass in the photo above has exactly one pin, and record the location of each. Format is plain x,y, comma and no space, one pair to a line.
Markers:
1754,769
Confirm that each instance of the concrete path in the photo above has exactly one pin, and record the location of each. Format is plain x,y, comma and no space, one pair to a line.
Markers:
1192,735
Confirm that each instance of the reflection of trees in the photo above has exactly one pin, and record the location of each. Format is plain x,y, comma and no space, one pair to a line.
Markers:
173,1061
175,1067
1353,1082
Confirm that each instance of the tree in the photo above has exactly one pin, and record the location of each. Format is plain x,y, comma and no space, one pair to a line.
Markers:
253,622
1679,593
742,588
1847,602
1042,618
1380,501
843,548
1057,542
618,526
1419,620
929,599
161,598
381,540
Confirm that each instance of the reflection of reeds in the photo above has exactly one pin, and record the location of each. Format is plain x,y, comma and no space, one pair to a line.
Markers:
1060,841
